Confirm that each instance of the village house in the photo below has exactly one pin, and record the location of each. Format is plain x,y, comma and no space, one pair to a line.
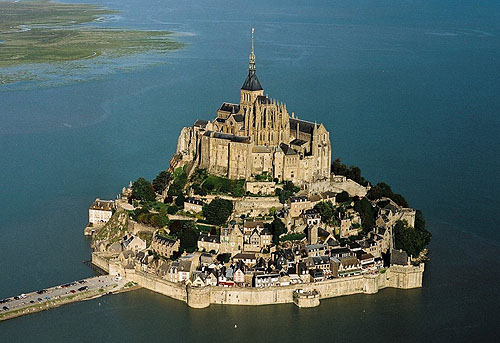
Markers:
319,263
367,261
266,280
101,211
164,246
340,252
231,239
316,250
349,266
252,241
245,257
297,205
193,205
179,270
133,242
208,242
249,226
323,196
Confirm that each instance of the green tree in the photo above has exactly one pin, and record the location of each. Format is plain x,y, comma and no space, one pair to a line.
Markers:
179,201
161,180
189,238
353,173
180,180
277,228
367,213
218,211
325,209
288,190
342,197
143,190
159,220
172,209
411,240
223,258
383,190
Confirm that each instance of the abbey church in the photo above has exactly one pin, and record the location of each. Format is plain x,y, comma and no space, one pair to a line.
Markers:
258,136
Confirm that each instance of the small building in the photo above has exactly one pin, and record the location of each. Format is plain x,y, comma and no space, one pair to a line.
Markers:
231,239
246,257
179,271
239,276
311,217
319,262
101,211
208,242
297,205
164,246
341,252
317,275
316,250
206,259
266,238
266,280
251,225
399,257
367,261
193,205
323,196
252,241
133,242
349,266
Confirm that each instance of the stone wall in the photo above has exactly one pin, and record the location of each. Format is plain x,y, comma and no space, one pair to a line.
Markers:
403,277
256,205
155,284
101,260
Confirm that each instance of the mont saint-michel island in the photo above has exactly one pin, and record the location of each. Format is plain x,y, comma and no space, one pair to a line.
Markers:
253,209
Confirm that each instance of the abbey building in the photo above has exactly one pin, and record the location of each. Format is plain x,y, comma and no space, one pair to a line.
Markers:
256,136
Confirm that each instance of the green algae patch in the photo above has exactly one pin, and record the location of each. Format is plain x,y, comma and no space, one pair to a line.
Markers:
48,32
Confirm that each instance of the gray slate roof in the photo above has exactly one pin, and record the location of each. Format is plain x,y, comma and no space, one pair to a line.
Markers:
251,82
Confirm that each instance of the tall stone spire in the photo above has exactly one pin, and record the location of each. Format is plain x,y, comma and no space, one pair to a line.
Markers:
251,64
251,82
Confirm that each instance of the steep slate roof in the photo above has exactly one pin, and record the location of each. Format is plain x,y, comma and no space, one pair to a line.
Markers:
298,142
201,123
209,238
399,257
251,82
304,126
233,138
238,118
287,150
164,240
228,107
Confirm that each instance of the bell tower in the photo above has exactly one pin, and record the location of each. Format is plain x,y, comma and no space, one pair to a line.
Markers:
251,87
250,90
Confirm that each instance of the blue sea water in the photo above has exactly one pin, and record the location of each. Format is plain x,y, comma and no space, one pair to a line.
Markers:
408,89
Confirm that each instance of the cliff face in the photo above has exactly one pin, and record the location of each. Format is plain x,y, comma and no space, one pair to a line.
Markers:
186,143
112,231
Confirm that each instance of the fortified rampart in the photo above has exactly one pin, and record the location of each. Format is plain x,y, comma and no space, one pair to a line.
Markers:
403,277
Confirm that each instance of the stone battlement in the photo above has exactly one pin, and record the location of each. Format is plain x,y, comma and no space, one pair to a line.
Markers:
403,277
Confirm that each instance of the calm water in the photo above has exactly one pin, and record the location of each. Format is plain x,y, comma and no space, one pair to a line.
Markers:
409,91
